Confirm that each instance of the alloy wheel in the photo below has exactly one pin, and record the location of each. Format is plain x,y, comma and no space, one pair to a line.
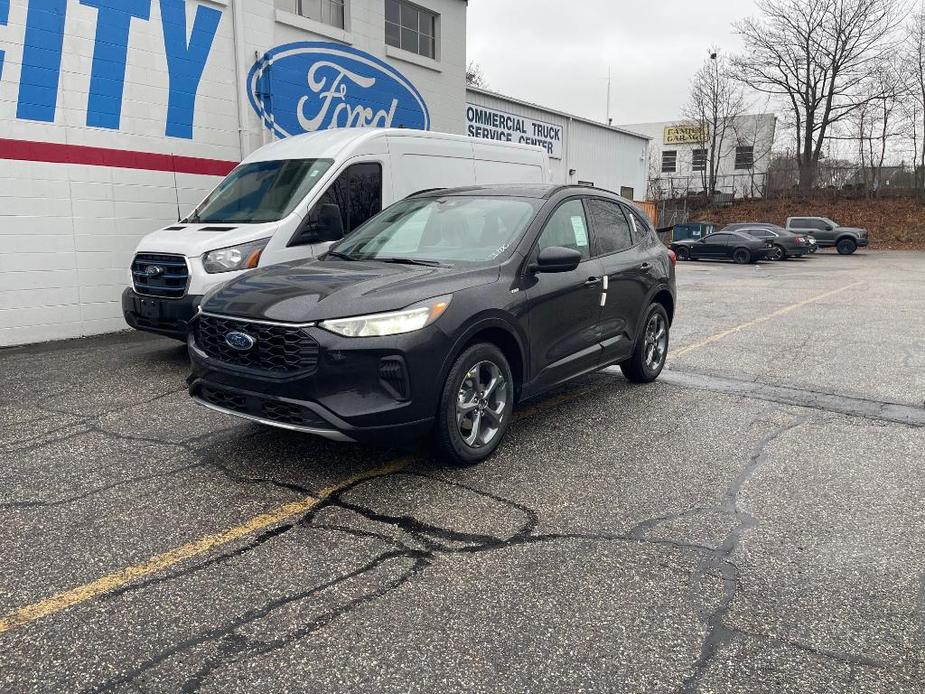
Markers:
777,253
481,403
656,341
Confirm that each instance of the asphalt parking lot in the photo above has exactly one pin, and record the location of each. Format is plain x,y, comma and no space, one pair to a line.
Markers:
754,521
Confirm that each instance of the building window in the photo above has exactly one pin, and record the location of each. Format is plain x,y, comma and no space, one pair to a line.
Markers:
325,11
700,160
745,157
670,161
411,28
627,192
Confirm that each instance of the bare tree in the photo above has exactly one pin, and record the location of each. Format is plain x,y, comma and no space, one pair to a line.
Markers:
475,76
716,101
875,124
912,73
814,55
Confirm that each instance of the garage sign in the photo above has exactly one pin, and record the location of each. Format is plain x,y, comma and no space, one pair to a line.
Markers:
491,124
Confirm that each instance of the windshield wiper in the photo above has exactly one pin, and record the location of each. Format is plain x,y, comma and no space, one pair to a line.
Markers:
338,254
412,261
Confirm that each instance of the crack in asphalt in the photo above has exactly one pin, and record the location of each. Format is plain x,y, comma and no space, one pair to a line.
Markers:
717,562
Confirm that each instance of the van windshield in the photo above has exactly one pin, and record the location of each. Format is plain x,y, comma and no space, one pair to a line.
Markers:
451,229
262,191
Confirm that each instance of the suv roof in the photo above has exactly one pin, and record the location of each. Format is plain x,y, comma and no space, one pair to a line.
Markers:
519,190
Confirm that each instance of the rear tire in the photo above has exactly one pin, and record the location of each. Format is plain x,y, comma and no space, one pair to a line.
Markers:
742,256
651,348
846,246
476,407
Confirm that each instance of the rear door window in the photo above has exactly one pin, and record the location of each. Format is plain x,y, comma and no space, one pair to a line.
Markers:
612,232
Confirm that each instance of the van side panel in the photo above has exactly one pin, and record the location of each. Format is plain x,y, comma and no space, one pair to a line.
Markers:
422,163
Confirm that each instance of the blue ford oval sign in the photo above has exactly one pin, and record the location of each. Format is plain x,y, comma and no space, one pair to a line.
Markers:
302,87
240,341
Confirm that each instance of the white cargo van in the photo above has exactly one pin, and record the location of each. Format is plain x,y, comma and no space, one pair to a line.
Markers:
291,199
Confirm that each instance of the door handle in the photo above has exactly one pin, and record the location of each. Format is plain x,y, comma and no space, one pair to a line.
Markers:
592,281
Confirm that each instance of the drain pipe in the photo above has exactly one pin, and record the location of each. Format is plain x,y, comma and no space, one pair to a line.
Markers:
240,68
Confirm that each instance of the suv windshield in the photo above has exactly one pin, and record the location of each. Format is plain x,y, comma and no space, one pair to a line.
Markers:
452,229
263,191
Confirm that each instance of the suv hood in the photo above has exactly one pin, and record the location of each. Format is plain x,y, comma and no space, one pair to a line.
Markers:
192,240
308,291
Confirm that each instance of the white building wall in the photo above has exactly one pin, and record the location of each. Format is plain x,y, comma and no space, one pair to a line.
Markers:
608,157
68,226
757,131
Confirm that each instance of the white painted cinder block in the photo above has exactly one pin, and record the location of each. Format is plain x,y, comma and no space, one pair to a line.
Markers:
69,226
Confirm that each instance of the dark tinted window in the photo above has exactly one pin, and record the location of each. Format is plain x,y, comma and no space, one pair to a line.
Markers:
567,228
612,232
759,233
719,238
358,193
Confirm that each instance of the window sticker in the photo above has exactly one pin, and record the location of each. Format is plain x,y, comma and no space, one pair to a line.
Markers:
581,236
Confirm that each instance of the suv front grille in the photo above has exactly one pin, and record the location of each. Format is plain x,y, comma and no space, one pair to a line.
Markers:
262,408
278,349
162,276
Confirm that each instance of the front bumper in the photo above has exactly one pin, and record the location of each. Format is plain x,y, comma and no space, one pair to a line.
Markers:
168,317
375,390
863,242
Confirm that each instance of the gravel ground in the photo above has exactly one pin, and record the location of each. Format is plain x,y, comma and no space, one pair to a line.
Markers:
754,521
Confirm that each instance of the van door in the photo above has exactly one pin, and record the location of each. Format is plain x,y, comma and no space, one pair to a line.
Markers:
357,193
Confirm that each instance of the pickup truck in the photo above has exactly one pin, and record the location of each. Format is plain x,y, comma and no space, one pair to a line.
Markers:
827,233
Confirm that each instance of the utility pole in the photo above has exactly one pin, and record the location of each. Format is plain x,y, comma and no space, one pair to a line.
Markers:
609,120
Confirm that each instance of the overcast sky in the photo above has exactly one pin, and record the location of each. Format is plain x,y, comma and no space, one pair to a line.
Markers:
557,53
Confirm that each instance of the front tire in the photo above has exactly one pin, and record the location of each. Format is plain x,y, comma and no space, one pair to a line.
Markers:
846,246
476,407
651,348
777,253
742,256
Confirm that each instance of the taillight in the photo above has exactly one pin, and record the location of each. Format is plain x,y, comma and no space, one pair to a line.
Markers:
673,256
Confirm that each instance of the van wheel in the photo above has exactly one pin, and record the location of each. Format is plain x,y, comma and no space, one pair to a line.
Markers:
846,246
651,348
742,256
476,407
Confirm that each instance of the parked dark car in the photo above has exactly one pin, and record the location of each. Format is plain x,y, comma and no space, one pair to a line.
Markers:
725,245
846,240
438,315
739,226
784,243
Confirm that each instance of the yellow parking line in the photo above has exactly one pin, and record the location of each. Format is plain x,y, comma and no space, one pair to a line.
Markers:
776,314
160,562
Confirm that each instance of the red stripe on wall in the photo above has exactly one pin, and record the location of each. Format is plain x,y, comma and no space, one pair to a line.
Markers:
49,152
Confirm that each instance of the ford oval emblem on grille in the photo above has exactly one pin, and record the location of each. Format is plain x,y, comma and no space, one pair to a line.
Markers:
240,341
153,271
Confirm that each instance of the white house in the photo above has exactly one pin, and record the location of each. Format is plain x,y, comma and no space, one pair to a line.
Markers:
679,156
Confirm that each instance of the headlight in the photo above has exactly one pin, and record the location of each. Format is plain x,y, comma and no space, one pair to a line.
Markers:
243,257
394,323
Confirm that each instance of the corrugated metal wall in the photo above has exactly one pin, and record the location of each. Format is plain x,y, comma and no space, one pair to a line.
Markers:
607,157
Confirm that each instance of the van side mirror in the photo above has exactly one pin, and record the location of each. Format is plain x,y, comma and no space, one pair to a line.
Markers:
324,224
556,259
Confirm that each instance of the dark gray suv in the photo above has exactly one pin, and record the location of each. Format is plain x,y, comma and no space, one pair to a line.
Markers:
846,240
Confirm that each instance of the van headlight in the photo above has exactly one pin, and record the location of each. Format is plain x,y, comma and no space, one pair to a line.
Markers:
242,257
393,323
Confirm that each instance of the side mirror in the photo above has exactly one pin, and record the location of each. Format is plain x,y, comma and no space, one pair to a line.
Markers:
323,224
557,259
829,227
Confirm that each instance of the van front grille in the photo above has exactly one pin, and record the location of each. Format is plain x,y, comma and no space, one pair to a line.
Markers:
161,276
